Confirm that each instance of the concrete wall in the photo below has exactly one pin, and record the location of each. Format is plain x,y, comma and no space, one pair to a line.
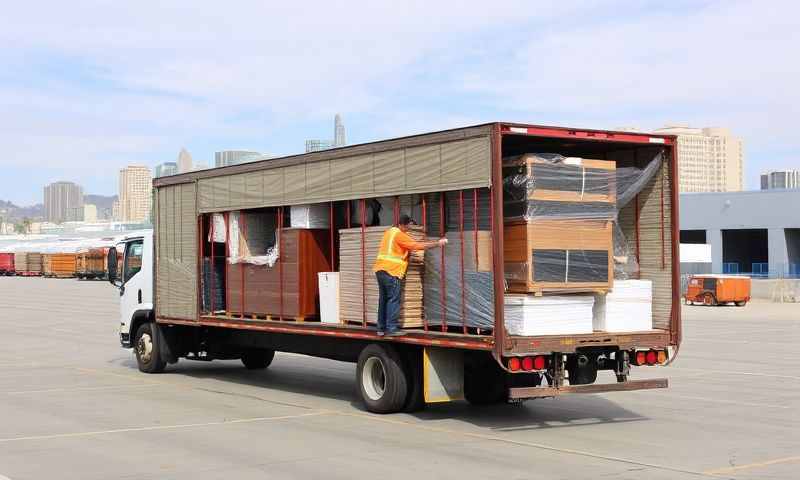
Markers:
773,210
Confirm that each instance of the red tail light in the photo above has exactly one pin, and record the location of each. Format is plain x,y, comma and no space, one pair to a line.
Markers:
539,362
527,363
651,357
640,358
514,364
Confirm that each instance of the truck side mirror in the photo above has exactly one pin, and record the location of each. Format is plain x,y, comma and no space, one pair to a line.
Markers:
113,275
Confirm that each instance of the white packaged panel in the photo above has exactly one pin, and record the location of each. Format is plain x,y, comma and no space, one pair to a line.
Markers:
529,315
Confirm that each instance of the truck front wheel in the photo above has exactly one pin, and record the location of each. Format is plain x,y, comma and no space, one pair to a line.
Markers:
382,379
147,350
257,358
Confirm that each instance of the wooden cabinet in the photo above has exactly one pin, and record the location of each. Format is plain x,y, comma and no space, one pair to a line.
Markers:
303,254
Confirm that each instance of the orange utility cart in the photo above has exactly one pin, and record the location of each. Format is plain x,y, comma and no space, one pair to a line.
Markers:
718,289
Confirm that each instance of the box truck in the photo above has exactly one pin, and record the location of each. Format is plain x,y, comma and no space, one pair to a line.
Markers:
561,262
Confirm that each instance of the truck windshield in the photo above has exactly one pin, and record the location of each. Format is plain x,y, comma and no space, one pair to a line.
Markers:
133,259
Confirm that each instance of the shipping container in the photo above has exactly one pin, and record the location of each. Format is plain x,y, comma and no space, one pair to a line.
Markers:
7,264
28,263
500,314
91,264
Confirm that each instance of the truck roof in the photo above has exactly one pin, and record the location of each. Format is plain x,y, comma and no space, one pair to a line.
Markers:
438,136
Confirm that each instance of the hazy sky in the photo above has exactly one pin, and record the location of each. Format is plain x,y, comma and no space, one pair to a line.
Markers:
87,87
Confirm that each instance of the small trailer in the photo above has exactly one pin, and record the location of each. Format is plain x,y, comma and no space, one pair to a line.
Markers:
718,290
591,221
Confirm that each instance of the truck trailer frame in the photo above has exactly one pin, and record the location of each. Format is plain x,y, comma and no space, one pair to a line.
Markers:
180,328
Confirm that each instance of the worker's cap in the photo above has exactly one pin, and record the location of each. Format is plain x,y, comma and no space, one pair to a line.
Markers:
406,220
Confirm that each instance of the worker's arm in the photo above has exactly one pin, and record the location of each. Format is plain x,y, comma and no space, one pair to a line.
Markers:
403,240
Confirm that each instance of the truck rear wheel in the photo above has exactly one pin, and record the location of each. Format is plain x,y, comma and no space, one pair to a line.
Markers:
741,303
257,358
382,379
147,350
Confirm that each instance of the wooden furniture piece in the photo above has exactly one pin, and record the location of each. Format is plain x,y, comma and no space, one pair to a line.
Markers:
303,254
558,255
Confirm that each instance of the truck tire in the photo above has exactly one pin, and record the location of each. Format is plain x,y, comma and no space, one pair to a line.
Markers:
257,358
741,303
485,384
147,350
382,379
709,300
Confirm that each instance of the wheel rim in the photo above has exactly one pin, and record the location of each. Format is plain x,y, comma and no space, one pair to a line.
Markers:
144,348
373,378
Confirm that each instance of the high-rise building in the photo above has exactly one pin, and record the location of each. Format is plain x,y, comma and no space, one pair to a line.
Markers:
115,211
166,168
233,157
780,179
339,139
184,161
135,187
90,213
59,198
709,159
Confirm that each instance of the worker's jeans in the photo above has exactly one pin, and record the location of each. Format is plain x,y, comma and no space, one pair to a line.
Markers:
389,290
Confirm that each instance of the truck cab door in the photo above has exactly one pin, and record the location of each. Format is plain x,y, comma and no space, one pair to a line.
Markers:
135,291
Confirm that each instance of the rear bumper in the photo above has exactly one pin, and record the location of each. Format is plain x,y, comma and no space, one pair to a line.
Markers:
540,392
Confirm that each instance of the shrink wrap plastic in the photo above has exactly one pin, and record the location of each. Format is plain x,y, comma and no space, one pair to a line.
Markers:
545,187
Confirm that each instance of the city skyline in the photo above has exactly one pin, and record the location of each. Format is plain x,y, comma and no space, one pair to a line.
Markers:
388,75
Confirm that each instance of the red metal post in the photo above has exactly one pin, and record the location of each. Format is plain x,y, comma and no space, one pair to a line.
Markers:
211,231
227,262
636,226
363,263
425,233
424,214
496,219
200,284
663,248
281,256
463,276
475,223
243,235
442,276
333,259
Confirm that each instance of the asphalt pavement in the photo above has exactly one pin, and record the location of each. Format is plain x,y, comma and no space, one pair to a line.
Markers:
74,405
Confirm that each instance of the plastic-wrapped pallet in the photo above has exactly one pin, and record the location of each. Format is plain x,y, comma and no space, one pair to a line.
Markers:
530,315
628,307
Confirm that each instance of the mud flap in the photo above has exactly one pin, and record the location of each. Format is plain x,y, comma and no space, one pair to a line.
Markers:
443,375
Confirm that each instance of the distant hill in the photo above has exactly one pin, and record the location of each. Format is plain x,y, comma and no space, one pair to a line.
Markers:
11,212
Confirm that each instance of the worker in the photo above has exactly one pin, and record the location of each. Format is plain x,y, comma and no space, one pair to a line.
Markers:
390,268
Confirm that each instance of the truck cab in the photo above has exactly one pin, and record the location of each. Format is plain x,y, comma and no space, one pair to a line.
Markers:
130,267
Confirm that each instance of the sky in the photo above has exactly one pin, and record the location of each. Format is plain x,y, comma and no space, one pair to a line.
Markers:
88,87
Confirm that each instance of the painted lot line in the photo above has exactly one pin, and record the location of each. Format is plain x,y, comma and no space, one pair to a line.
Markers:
159,427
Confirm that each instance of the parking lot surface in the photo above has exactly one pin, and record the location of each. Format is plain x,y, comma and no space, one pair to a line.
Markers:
74,405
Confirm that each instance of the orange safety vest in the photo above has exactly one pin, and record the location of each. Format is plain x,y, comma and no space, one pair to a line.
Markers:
392,258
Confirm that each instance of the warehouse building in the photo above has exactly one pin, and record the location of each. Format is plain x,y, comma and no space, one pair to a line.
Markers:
754,232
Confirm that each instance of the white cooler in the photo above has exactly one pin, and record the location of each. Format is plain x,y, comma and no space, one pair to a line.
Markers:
329,297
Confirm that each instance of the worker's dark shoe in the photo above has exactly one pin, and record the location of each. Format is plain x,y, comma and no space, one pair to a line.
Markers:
396,333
